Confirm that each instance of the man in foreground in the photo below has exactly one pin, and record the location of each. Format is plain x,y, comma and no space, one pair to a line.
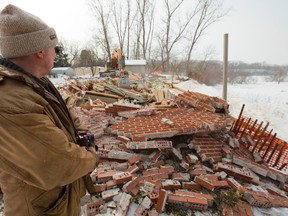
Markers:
42,169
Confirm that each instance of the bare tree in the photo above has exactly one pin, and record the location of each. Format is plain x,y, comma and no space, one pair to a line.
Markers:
279,74
129,22
145,9
120,21
72,49
175,28
205,13
88,58
101,11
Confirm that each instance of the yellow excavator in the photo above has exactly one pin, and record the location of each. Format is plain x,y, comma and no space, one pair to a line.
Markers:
117,64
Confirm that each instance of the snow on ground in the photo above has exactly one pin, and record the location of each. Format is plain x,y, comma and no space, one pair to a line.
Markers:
265,101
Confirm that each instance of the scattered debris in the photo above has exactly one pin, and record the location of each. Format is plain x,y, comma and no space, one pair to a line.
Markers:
162,147
183,151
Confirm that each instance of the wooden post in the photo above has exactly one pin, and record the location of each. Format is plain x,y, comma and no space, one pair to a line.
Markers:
264,142
233,129
257,130
225,66
279,156
273,151
260,137
269,146
253,126
247,124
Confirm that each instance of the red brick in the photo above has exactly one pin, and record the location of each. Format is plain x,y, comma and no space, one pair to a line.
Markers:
284,186
150,185
122,177
204,183
153,196
155,156
110,184
221,184
124,148
93,208
197,172
139,139
150,172
99,187
278,201
132,169
166,169
236,185
105,176
158,163
258,199
194,203
171,184
210,177
191,186
134,159
162,199
154,183
241,208
128,187
207,197
123,139
134,191
160,176
181,176
276,191
241,173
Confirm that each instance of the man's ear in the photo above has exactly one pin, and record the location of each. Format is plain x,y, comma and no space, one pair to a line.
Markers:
40,54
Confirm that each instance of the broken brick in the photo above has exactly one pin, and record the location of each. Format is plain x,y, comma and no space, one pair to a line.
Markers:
193,203
161,202
120,178
132,169
128,187
181,176
191,186
204,183
134,159
93,208
171,184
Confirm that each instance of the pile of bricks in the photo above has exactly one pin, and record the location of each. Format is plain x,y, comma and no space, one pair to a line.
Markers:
183,156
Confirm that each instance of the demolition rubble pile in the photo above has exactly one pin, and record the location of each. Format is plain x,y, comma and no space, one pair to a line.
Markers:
163,148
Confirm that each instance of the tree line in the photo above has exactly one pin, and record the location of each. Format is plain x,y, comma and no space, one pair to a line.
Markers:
163,32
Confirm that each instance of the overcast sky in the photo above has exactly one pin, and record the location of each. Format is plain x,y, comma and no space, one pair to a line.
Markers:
257,29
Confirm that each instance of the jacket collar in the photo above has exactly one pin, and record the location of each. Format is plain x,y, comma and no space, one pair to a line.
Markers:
39,85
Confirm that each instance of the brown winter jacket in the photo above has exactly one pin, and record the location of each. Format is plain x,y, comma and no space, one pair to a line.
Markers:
41,167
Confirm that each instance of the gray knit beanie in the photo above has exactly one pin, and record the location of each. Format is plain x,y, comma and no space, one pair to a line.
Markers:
22,33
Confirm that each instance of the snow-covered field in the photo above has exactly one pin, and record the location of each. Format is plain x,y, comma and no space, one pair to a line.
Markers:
265,101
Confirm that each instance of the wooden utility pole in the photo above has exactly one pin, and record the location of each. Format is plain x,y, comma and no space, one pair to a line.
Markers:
225,66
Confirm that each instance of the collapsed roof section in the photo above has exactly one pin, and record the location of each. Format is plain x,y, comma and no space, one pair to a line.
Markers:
167,146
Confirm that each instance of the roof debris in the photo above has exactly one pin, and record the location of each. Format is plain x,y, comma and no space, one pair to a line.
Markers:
162,147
